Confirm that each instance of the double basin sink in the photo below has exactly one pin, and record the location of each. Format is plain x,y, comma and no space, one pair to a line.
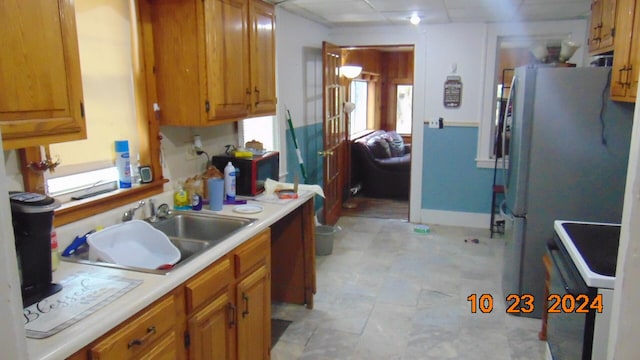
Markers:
191,232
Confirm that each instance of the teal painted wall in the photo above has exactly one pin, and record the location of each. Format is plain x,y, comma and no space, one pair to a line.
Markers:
451,180
310,142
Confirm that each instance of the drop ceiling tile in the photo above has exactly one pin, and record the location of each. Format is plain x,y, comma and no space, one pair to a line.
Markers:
426,17
334,7
406,5
485,4
556,11
355,18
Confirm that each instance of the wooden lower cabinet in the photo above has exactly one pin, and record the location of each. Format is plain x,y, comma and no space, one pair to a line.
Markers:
254,322
253,298
151,334
223,312
212,331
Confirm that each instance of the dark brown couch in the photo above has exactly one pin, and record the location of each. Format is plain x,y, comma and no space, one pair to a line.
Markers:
381,163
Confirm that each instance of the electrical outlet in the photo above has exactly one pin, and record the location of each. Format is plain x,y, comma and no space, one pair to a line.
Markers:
436,123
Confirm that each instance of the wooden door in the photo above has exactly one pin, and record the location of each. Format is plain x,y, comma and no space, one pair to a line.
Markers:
211,330
334,131
254,316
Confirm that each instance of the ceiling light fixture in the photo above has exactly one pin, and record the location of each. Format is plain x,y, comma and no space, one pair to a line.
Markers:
350,71
415,19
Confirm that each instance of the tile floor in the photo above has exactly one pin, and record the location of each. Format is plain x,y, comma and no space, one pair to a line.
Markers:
387,292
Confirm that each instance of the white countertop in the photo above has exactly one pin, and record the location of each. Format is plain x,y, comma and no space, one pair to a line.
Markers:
154,286
591,278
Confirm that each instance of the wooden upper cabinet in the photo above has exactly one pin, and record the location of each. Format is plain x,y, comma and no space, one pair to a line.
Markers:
262,57
202,53
227,39
603,18
626,58
40,79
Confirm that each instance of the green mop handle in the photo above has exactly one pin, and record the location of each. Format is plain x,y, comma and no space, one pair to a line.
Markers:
295,144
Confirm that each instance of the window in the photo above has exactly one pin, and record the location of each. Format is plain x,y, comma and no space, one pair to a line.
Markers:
83,184
404,105
359,96
122,95
263,129
106,61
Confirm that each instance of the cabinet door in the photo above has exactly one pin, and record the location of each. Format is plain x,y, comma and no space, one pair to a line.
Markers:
607,25
594,31
634,56
263,70
623,74
178,43
40,78
227,59
254,316
212,331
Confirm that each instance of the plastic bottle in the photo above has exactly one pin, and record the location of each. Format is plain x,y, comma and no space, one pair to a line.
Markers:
181,199
230,182
123,164
196,202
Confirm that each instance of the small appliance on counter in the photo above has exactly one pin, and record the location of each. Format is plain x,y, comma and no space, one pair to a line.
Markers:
32,217
251,172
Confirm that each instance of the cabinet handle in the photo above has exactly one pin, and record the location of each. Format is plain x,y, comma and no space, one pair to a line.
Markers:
256,90
245,298
248,91
629,75
151,330
622,70
232,313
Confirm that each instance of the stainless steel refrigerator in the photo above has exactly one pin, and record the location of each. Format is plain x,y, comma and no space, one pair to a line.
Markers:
568,154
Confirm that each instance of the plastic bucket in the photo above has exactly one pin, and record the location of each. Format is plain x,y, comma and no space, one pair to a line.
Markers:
324,239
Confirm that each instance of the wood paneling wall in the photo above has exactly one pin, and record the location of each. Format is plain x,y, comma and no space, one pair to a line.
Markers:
384,69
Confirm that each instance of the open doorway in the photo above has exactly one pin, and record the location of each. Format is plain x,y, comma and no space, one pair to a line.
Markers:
377,161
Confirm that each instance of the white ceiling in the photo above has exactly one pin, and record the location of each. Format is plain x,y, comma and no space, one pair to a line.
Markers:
334,13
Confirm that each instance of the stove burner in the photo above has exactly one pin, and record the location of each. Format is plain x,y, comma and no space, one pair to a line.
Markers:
598,245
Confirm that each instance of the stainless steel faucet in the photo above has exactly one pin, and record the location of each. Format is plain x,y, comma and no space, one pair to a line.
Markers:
152,211
128,215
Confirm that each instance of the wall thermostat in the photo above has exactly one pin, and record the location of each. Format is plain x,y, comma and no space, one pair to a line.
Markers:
145,174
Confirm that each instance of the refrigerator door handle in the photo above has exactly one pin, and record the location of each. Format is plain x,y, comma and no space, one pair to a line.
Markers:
503,211
506,172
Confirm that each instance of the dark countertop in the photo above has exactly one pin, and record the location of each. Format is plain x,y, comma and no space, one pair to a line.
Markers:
593,247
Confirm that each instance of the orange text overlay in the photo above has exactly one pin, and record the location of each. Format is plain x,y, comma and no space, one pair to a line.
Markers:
516,304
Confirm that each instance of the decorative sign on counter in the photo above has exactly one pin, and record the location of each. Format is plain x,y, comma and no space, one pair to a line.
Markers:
82,294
